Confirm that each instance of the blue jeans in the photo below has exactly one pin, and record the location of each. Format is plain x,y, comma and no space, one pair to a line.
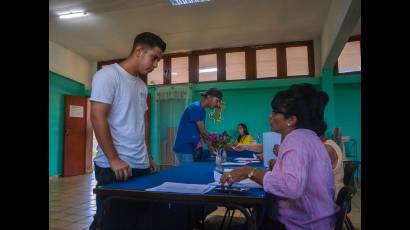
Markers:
184,158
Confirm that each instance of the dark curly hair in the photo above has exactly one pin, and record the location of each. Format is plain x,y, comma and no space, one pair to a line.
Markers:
306,103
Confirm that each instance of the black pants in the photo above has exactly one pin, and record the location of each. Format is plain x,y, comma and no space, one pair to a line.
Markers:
127,214
106,176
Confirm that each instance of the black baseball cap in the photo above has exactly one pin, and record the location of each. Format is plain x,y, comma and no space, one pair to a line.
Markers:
214,92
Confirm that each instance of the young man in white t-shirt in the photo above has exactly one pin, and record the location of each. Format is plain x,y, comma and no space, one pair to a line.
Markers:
118,106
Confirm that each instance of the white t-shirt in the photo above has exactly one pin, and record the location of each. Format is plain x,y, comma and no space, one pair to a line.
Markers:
127,96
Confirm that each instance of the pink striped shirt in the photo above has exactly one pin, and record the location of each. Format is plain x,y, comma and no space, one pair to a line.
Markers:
303,181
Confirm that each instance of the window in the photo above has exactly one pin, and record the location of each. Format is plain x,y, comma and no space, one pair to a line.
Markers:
179,70
235,66
350,58
156,77
266,65
297,63
207,68
278,60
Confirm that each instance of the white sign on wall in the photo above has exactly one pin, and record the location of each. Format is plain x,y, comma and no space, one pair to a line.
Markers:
76,111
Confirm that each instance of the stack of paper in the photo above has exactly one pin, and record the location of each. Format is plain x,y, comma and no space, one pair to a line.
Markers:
182,188
244,159
247,160
234,163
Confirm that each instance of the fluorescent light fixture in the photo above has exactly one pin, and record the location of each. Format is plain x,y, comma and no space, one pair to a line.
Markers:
185,2
174,73
208,70
76,14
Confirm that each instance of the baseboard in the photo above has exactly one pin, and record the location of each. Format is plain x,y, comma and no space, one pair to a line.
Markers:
52,178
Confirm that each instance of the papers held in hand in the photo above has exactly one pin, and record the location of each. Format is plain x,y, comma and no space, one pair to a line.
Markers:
270,139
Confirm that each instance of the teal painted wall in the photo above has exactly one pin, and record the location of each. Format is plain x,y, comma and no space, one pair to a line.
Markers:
249,102
348,111
58,86
246,101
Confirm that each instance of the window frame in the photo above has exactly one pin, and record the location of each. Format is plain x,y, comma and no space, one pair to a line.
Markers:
250,62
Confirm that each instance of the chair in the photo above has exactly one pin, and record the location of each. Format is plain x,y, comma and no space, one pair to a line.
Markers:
348,180
344,199
349,170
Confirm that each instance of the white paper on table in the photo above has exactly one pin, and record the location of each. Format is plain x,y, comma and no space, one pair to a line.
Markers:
248,183
249,161
245,159
233,163
270,139
182,188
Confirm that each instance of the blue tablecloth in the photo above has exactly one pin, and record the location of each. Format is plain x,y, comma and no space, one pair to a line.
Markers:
195,173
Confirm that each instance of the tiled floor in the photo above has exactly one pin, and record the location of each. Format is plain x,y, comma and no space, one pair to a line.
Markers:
72,205
71,202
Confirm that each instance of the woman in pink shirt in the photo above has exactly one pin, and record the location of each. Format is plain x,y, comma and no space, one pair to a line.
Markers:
302,177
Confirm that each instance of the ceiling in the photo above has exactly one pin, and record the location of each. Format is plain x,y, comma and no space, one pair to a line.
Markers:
108,32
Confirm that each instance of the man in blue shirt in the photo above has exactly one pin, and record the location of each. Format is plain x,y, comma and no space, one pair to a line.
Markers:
192,125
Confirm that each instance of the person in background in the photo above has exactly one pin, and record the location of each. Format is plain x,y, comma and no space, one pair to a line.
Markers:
244,137
302,177
336,157
191,126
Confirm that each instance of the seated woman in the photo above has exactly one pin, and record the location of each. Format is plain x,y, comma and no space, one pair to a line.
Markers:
244,136
302,178
336,157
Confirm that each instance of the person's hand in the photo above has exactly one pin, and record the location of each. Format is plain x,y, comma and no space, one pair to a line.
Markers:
213,151
235,175
120,168
271,164
276,149
153,165
239,147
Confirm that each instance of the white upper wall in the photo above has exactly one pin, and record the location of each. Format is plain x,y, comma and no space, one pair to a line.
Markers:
69,64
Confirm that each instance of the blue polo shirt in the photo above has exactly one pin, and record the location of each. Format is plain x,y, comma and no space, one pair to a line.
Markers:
188,134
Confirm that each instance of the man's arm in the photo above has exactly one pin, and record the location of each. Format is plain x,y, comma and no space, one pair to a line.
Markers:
151,159
201,127
203,133
99,116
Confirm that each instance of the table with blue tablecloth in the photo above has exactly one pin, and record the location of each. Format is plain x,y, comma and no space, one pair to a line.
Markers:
163,209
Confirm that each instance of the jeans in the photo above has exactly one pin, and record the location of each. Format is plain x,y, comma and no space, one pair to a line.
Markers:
184,158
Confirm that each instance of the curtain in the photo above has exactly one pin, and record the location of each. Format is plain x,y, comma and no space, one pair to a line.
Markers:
171,102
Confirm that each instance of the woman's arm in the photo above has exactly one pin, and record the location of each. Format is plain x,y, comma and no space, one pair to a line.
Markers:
241,174
251,147
332,154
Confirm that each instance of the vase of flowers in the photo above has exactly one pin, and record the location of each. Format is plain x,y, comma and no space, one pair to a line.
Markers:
219,142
